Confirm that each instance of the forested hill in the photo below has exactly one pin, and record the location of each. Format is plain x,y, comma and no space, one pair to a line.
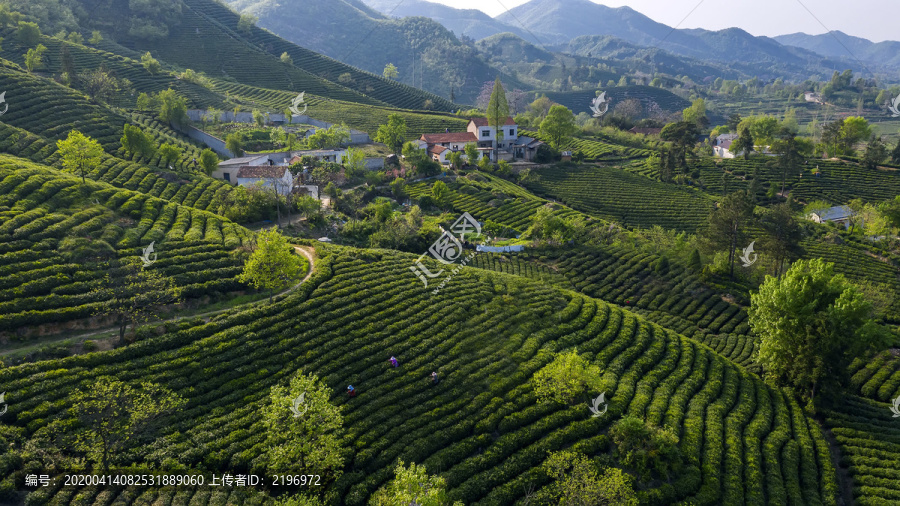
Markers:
206,36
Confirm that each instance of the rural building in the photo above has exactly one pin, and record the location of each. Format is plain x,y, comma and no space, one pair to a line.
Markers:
228,169
722,145
484,136
837,214
322,155
271,176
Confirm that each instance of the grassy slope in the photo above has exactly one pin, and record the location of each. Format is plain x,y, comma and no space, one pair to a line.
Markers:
481,427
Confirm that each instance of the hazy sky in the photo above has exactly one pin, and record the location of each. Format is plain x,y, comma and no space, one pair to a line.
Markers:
875,20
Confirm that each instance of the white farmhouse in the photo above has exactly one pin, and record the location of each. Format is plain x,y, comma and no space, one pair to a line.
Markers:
271,176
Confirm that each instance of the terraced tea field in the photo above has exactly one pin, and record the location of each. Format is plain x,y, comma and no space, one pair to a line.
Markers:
44,282
487,335
616,195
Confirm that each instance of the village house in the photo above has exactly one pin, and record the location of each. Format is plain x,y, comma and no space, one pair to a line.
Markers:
722,145
322,155
838,214
508,145
271,176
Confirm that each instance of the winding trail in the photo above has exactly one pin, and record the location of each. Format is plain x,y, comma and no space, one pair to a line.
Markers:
306,251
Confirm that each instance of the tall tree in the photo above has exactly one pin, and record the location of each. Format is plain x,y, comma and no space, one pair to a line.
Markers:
172,107
392,134
273,265
811,323
34,58
559,125
876,152
577,482
390,71
78,152
497,112
235,144
209,161
304,429
108,416
727,223
683,136
789,154
136,142
133,294
744,143
783,234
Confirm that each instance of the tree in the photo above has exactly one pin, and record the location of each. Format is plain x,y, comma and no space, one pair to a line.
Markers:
169,154
96,38
235,144
134,294
485,163
645,449
683,136
286,58
136,142
566,379
147,102
895,154
308,205
393,134
726,225
472,154
412,485
78,152
331,190
854,129
398,188
876,152
790,153
558,126
577,482
696,114
811,324
273,264
497,112
28,33
456,158
327,138
172,107
34,58
311,442
891,211
783,234
100,84
150,63
441,194
744,143
391,72
209,161
108,416
355,162
246,23
540,107
68,75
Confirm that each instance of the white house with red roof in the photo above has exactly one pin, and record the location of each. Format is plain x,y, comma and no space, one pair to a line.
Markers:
509,144
278,177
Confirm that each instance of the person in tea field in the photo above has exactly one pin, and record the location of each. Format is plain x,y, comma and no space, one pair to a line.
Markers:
394,362
351,391
434,378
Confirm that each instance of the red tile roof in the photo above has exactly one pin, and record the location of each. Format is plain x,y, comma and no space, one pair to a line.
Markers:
449,137
262,171
436,150
483,122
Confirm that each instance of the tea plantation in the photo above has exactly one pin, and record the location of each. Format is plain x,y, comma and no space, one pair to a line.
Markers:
487,335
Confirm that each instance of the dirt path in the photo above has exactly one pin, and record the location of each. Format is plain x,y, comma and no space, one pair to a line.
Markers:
845,482
306,251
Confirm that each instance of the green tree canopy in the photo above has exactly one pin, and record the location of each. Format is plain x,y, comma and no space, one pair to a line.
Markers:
79,152
304,429
393,134
234,143
728,224
558,126
169,154
811,324
209,161
108,415
172,107
578,482
390,71
412,485
28,33
273,265
568,378
150,63
498,110
34,58
137,142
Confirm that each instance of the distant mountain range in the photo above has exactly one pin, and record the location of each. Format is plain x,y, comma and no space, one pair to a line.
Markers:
555,23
